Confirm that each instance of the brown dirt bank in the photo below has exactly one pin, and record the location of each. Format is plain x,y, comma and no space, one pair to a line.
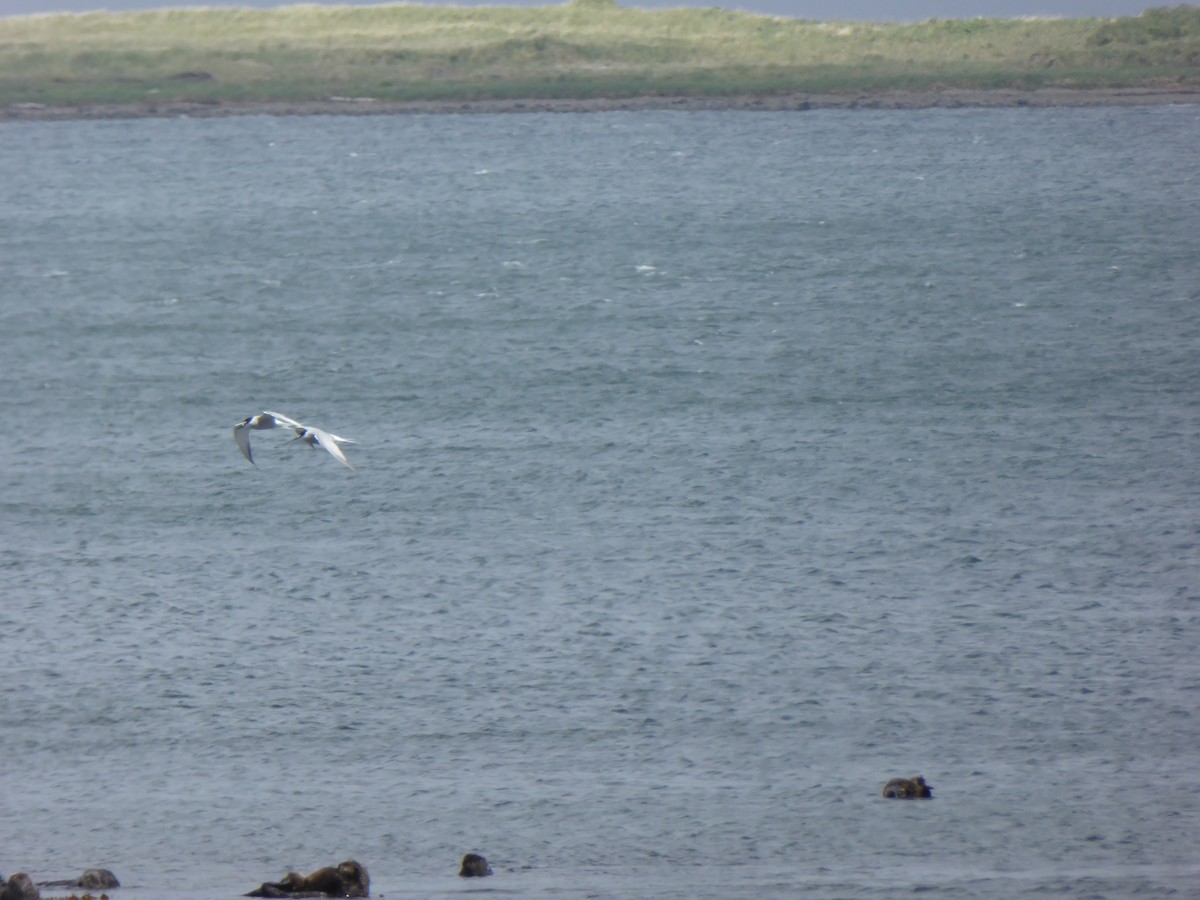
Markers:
946,99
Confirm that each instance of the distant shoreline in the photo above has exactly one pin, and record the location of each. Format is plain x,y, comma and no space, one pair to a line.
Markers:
892,100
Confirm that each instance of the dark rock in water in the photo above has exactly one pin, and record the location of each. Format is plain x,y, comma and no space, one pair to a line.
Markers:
474,866
907,788
349,879
90,880
20,887
97,880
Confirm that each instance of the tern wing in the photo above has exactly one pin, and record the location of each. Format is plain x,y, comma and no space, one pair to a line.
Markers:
283,421
242,435
326,440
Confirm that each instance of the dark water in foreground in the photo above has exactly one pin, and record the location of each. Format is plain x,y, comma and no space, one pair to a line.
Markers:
714,469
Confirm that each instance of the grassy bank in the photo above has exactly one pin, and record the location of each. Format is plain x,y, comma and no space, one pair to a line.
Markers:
583,49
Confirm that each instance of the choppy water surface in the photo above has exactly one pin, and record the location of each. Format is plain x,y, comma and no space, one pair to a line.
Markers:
714,469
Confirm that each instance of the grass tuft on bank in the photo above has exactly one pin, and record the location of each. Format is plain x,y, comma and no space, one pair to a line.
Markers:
581,49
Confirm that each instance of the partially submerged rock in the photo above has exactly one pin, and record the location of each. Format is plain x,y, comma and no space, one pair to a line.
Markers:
97,880
90,880
474,866
348,879
907,788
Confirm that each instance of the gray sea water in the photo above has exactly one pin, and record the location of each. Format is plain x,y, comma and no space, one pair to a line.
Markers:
714,468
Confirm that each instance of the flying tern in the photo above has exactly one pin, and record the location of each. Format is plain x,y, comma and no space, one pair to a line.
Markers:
307,433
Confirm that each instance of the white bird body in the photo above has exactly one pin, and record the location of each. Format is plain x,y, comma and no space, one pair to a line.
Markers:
314,436
307,433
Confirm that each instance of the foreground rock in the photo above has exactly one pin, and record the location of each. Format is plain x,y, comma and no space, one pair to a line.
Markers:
19,887
474,866
90,880
907,788
349,879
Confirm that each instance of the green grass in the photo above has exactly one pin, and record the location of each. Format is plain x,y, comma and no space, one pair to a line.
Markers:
585,48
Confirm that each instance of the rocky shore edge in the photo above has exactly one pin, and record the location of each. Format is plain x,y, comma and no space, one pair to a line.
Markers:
892,100
347,879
